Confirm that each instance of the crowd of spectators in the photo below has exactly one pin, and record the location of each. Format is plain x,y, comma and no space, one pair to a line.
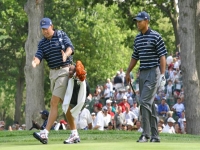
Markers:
114,105
118,97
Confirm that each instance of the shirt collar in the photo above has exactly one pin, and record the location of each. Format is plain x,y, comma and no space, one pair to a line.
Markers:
147,32
54,34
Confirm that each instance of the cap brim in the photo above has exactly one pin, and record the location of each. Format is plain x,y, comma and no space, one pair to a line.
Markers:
172,121
138,19
45,27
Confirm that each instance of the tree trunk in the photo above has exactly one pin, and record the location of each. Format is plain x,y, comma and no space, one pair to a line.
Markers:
19,98
34,76
176,28
189,27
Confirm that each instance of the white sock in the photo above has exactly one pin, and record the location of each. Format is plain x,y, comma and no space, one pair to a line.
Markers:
46,131
74,131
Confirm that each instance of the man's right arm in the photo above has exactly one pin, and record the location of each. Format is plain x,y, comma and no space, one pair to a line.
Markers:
131,66
35,62
38,56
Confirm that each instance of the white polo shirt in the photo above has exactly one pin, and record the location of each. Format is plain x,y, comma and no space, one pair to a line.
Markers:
84,118
99,120
179,107
168,129
136,111
107,119
129,116
107,92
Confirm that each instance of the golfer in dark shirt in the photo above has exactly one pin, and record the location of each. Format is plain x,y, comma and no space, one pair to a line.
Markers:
149,48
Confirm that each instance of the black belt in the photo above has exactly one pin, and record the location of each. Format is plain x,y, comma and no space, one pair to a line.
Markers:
61,67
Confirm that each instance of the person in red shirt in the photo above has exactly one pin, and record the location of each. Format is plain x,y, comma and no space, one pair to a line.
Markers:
124,104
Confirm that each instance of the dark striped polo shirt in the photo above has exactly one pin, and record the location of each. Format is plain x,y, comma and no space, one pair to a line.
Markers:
148,48
50,50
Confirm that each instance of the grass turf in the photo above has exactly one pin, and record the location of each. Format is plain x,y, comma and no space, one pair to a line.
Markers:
96,140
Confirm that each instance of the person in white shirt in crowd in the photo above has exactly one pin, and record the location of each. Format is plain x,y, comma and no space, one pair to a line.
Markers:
135,109
169,89
176,64
119,96
182,122
169,59
84,120
106,94
129,116
178,108
110,87
171,74
129,96
169,128
93,115
107,117
122,74
175,78
99,120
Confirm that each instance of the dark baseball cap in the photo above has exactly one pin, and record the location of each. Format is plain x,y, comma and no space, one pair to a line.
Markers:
142,16
45,112
45,23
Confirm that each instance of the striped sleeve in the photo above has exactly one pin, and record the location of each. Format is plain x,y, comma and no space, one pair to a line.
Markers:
39,54
67,42
160,47
135,54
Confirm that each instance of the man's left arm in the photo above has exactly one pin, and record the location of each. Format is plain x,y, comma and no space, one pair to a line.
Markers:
162,64
67,53
69,47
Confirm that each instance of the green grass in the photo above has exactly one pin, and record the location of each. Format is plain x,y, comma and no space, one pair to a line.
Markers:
96,140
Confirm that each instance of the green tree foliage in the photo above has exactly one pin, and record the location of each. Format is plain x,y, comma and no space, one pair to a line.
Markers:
14,24
163,18
100,42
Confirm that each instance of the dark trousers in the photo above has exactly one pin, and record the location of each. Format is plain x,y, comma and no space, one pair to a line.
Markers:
148,85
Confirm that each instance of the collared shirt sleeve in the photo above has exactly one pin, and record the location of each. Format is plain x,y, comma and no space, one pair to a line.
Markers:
160,47
67,42
39,54
135,54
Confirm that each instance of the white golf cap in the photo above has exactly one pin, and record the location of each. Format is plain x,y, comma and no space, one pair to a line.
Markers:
124,97
170,119
108,101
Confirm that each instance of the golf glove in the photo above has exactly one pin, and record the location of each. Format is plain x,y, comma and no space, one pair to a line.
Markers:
162,80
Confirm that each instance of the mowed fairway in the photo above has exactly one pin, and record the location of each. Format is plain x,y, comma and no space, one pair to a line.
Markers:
95,140
87,145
